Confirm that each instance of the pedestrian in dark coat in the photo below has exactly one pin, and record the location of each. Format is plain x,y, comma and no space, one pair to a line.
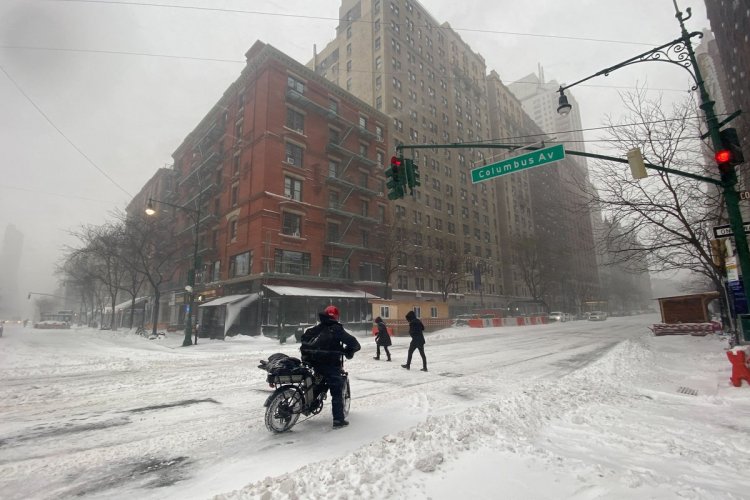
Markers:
417,340
382,338
326,359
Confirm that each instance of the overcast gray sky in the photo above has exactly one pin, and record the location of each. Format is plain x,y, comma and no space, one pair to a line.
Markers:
87,115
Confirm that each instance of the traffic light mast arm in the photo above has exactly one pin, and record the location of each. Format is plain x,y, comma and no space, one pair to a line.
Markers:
465,145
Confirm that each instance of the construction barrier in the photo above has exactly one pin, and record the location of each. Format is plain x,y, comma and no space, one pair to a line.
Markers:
517,321
696,329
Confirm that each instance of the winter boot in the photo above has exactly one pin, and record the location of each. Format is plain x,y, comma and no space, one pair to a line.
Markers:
405,366
338,424
424,369
375,357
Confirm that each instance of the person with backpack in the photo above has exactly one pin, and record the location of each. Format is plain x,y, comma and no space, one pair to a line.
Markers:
417,340
382,338
322,347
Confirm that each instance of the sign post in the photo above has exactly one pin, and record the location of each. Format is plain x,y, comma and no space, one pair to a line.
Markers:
517,163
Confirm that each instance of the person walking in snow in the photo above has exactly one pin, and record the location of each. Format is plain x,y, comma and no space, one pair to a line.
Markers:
417,340
382,338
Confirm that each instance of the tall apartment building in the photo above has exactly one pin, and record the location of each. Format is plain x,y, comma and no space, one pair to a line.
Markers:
568,221
435,89
286,169
396,56
730,24
539,99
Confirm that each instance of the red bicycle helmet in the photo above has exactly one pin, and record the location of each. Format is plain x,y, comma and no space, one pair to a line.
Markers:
332,312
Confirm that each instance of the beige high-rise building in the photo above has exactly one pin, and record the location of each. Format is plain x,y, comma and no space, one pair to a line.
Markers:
397,57
457,235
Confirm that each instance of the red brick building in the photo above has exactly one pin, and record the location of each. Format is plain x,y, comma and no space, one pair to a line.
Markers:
287,171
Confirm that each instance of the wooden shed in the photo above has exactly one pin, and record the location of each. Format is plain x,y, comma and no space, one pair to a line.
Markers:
691,308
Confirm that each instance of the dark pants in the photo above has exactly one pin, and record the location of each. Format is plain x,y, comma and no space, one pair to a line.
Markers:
385,348
335,382
412,348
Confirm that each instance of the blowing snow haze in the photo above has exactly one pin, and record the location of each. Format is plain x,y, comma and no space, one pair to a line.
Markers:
96,96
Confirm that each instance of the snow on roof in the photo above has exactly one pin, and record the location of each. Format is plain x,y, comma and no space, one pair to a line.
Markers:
319,292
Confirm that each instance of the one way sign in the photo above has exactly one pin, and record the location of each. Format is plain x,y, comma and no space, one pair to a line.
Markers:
725,231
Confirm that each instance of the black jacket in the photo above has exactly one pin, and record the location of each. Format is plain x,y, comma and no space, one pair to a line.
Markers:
382,338
415,329
340,342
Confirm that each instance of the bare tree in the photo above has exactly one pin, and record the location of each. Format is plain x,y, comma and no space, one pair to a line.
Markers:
151,250
663,222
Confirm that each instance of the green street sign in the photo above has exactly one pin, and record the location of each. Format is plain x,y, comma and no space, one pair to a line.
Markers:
511,165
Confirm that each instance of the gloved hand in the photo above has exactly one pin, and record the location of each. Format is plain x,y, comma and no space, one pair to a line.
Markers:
348,353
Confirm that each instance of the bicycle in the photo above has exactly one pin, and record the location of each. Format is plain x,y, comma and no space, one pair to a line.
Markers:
299,391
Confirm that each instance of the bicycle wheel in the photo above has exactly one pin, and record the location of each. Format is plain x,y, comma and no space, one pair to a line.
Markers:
283,410
347,397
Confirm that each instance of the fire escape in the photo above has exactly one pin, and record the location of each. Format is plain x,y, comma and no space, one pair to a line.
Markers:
345,178
199,186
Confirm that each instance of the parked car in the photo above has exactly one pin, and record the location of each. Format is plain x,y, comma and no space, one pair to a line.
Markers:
463,319
557,316
597,316
52,324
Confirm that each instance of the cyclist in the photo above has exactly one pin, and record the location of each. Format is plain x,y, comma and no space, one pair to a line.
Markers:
322,347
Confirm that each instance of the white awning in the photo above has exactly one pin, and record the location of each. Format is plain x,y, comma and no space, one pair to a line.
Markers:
127,304
319,292
227,299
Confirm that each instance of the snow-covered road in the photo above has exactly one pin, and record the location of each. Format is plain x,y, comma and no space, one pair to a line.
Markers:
100,414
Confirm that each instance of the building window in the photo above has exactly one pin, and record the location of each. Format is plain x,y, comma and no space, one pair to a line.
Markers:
365,208
239,265
295,120
291,224
365,239
333,199
295,84
233,230
294,155
433,312
289,262
369,271
332,232
216,274
293,188
385,312
363,122
335,268
333,168
235,193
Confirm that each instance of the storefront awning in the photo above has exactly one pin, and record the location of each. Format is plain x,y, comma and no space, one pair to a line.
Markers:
319,292
127,304
228,299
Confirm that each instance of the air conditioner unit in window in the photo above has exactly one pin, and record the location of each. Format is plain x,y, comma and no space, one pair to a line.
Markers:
290,160
296,234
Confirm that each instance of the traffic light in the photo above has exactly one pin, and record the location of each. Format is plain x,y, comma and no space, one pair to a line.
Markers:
412,175
637,166
730,153
395,178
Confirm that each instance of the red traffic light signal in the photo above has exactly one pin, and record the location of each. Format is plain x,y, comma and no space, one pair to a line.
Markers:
395,161
723,156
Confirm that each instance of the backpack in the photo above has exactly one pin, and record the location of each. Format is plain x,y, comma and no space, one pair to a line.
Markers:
317,343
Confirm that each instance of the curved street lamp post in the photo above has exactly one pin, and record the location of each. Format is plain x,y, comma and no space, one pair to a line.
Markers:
190,288
680,52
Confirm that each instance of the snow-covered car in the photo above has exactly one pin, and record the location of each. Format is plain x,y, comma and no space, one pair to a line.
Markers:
463,319
597,316
557,316
51,324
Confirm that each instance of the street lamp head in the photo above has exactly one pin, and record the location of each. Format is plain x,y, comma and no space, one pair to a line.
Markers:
564,106
150,207
189,289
